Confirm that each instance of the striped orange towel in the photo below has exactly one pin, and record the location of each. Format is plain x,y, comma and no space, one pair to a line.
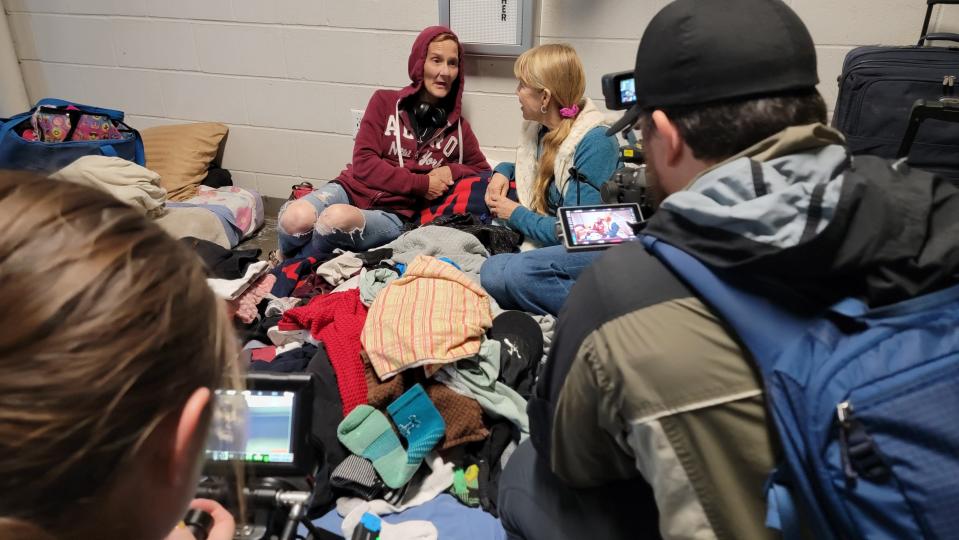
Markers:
434,314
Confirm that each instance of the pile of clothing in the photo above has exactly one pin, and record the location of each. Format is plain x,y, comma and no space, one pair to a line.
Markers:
421,379
236,276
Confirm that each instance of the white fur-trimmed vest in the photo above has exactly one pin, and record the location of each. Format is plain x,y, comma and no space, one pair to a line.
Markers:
527,163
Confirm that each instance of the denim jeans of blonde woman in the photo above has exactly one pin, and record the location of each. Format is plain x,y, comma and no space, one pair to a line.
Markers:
380,227
537,281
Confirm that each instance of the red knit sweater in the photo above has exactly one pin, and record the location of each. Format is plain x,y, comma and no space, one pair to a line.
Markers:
336,319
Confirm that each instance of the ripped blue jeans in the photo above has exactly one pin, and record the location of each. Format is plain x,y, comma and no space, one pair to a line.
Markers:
380,228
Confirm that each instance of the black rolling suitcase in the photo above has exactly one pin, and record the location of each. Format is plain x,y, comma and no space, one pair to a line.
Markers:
878,87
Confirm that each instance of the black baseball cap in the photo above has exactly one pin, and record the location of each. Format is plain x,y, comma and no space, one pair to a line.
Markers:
703,51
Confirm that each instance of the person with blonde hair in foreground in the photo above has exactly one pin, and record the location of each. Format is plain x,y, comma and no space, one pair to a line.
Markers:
111,347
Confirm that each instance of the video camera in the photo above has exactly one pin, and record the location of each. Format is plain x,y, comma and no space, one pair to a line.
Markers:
628,183
264,427
619,89
627,206
263,432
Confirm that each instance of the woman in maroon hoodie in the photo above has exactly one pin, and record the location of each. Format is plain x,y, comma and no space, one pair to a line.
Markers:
411,146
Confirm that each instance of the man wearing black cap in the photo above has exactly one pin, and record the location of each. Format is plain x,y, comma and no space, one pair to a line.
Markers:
649,419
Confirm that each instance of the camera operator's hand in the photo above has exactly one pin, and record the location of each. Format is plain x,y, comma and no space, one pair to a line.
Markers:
502,206
223,524
498,185
441,178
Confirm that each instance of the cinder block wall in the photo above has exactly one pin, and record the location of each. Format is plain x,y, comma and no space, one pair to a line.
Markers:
284,74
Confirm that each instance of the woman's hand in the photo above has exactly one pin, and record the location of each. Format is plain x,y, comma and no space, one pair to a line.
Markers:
223,524
502,206
441,178
498,185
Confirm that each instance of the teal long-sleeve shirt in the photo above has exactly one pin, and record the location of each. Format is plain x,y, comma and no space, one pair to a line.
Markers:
596,157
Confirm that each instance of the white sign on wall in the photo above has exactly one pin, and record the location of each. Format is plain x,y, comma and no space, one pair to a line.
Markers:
490,27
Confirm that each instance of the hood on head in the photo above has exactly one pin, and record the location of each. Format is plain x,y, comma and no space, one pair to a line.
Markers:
418,59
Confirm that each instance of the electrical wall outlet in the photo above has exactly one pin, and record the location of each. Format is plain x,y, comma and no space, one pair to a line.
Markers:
357,118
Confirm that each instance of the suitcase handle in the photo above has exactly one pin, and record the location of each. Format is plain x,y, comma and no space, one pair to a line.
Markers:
924,35
938,36
922,109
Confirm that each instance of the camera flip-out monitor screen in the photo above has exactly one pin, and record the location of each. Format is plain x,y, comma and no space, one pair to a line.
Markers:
598,227
627,91
619,90
265,426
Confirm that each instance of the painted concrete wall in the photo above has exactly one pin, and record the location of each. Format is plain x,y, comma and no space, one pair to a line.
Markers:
284,74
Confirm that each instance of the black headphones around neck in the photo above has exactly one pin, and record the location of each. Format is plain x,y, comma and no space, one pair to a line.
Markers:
428,115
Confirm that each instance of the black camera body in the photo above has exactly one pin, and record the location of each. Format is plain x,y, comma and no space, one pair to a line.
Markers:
263,432
628,183
625,201
619,90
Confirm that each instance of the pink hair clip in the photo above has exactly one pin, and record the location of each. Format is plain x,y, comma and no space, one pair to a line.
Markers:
569,112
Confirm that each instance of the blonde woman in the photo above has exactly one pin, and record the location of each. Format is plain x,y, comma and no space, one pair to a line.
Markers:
563,158
111,347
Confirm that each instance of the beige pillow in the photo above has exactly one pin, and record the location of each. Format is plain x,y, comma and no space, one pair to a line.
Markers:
181,154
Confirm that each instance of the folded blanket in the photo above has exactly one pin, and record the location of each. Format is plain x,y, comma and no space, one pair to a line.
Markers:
131,183
196,222
224,214
244,207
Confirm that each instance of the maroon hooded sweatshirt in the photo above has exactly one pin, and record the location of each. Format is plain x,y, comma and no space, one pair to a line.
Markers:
389,169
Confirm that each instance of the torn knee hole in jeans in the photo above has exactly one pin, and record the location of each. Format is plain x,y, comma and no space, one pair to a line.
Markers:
325,229
282,229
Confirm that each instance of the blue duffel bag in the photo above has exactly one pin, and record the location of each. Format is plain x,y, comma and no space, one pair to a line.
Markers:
17,153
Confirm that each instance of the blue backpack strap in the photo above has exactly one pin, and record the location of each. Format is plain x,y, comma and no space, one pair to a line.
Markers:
781,511
109,150
765,329
757,320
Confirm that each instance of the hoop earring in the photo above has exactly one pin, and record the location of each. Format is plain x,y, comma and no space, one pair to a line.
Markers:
543,110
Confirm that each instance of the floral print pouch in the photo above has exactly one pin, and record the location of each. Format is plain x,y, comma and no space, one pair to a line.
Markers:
59,124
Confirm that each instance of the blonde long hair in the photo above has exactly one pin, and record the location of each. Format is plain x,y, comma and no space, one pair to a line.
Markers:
108,326
555,67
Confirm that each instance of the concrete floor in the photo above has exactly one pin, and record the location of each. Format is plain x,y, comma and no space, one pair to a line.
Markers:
265,238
